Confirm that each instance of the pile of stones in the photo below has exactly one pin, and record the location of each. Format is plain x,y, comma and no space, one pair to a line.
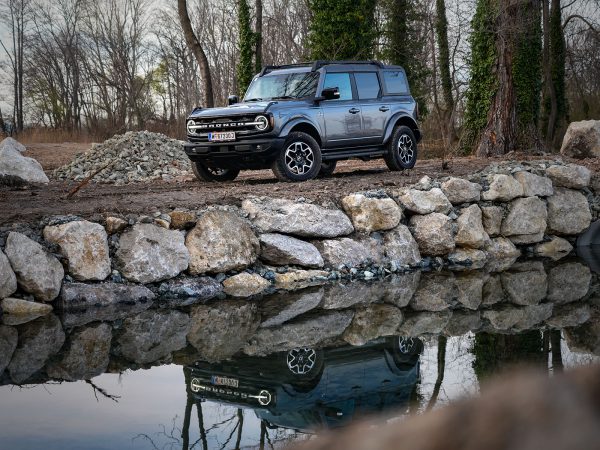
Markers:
130,157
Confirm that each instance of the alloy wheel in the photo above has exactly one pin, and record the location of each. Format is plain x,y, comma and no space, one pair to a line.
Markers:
406,149
299,158
301,361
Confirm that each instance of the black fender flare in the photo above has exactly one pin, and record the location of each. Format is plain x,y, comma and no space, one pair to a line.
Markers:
407,120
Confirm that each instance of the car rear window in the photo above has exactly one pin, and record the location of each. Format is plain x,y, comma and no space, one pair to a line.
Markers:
395,82
340,81
367,84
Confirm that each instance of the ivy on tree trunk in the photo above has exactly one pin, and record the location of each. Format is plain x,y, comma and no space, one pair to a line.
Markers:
245,68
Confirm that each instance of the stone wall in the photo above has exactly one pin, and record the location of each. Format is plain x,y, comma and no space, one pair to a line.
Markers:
268,244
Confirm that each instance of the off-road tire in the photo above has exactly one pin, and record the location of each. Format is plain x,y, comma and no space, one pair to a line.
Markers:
327,168
304,146
402,149
204,173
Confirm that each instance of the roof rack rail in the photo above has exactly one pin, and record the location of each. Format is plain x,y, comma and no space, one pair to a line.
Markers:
267,69
320,63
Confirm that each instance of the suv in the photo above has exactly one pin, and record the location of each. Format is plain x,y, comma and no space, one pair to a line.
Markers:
300,119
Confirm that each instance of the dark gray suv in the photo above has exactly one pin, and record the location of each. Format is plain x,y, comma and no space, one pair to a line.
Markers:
300,119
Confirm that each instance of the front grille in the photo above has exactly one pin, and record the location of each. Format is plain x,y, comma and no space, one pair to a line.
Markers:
244,125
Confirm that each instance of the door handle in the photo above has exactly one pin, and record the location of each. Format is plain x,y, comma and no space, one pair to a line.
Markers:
354,111
384,109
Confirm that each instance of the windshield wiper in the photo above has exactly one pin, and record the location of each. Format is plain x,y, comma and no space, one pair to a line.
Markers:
283,97
253,100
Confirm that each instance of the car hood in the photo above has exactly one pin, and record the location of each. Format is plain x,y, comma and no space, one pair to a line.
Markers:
245,108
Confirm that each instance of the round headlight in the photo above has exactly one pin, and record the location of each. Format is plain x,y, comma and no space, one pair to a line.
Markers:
262,123
191,123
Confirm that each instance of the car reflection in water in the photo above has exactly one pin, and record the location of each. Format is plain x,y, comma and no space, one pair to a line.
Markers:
306,389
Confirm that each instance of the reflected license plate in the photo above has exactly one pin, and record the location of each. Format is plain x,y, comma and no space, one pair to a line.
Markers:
221,136
224,381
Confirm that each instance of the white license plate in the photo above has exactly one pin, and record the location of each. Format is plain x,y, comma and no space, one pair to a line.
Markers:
224,381
220,137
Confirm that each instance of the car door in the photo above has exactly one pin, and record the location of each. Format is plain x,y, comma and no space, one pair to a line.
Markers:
341,117
375,112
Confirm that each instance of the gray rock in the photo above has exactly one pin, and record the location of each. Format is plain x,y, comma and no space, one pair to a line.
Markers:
352,252
400,289
299,219
370,214
38,341
85,245
504,318
459,190
526,220
467,258
469,289
436,292
8,344
348,294
373,322
501,248
148,253
533,315
219,331
534,185
110,313
38,272
285,250
582,140
568,282
13,143
433,233
502,188
418,324
525,284
493,292
75,296
245,285
400,247
16,168
8,280
201,288
555,249
299,279
570,176
569,316
568,212
470,232
585,338
423,202
18,311
87,354
115,225
153,335
221,241
303,333
462,323
297,303
492,219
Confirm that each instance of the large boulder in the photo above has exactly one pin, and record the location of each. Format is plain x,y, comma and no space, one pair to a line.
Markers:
153,335
38,341
568,282
568,212
436,292
400,247
350,252
582,140
73,318
350,294
13,143
534,185
245,285
434,233
38,272
16,168
299,219
555,249
18,311
190,289
400,288
8,344
459,190
525,284
219,331
526,220
75,296
492,219
569,176
470,232
148,253
502,188
415,325
299,279
286,306
373,322
372,213
85,246
470,289
569,316
467,259
8,280
221,241
423,202
282,250
87,354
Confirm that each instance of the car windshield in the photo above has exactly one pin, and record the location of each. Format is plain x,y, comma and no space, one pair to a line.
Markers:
283,86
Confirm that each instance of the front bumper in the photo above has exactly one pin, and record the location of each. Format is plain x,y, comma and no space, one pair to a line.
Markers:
243,154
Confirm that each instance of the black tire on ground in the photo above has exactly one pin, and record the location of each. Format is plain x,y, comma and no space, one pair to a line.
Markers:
205,173
299,160
402,149
327,168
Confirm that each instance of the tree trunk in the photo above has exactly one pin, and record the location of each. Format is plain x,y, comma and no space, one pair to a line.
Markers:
194,44
441,27
259,36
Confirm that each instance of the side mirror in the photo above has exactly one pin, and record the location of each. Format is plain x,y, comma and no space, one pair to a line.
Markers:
332,93
233,99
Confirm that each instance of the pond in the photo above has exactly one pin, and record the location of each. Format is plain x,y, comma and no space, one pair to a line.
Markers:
265,372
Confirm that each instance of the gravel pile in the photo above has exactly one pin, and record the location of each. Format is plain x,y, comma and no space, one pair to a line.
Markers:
133,157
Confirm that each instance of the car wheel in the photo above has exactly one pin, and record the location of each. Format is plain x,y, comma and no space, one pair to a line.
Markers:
406,351
402,149
327,168
305,365
299,160
205,173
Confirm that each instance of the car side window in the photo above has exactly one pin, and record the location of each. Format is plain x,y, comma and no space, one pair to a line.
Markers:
367,84
395,82
340,81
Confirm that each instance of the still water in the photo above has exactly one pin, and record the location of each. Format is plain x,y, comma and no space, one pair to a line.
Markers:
261,374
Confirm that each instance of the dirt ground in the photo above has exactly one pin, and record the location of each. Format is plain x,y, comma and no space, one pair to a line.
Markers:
32,203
